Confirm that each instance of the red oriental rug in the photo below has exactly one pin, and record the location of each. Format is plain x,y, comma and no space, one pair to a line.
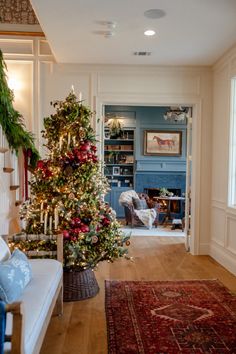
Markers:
170,317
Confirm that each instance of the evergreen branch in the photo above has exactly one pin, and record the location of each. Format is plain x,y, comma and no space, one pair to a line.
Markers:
12,121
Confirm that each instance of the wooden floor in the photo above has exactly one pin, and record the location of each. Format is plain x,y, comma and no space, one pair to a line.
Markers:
82,328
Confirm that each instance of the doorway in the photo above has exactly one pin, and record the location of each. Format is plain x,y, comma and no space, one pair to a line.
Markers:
170,171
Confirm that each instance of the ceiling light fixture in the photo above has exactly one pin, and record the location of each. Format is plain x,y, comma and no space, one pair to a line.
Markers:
109,34
142,53
176,114
154,13
108,24
149,32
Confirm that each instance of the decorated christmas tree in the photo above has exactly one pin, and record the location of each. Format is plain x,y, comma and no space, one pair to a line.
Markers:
68,189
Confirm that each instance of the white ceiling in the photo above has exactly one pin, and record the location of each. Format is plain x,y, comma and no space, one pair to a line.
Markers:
193,32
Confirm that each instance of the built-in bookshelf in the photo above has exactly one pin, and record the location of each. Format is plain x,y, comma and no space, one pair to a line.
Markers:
119,158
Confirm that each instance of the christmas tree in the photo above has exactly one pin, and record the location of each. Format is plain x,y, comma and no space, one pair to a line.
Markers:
68,189
12,121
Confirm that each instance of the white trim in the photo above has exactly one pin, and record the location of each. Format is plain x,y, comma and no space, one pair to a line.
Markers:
196,149
223,256
232,148
196,180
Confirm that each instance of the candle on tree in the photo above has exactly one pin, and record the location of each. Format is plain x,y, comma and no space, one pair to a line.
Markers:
50,223
45,222
55,218
60,142
41,213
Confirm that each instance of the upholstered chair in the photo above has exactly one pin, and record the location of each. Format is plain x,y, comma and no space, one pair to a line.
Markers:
139,203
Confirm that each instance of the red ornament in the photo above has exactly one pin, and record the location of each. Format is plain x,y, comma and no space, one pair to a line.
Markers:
85,147
73,223
77,221
65,234
84,228
77,230
105,221
40,164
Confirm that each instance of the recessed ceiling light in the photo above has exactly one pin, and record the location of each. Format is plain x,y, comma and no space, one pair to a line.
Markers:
154,13
149,33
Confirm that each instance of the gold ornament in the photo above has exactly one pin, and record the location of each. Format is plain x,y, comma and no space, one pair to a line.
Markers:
94,239
81,133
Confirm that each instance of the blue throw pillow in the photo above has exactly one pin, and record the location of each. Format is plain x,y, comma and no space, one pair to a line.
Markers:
15,274
139,204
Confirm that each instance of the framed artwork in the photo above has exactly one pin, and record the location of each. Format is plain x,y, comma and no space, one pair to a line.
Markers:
162,143
116,171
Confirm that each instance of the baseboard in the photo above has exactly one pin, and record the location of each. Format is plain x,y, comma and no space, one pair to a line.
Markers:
204,249
224,257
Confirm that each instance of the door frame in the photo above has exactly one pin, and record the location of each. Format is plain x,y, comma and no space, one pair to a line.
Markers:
196,104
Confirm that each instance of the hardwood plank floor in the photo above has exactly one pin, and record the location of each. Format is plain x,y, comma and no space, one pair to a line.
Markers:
82,328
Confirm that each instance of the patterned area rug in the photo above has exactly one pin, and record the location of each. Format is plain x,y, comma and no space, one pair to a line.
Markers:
170,317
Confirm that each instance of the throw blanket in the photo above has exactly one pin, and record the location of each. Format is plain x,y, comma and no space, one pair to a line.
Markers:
2,325
147,216
126,197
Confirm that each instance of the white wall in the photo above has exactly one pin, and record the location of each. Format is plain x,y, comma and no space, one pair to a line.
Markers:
140,85
137,85
223,219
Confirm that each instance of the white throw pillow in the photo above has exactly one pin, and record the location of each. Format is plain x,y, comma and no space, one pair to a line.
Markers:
4,250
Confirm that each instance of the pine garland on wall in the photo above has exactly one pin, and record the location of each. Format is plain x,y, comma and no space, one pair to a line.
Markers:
12,121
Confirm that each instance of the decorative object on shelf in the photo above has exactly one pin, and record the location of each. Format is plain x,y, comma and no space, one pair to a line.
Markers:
115,126
12,121
107,135
114,121
122,158
177,114
68,197
116,171
165,193
130,159
162,143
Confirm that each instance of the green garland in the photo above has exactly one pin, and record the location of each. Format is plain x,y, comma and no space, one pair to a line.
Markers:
12,121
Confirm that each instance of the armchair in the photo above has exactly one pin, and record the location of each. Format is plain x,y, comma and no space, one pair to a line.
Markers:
139,209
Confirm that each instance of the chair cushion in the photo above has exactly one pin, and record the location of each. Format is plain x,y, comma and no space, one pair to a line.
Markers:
15,274
139,204
4,250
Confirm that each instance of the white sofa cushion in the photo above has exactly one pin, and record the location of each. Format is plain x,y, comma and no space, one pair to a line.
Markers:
37,298
4,250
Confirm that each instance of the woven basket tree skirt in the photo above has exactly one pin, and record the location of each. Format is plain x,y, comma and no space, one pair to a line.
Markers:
79,285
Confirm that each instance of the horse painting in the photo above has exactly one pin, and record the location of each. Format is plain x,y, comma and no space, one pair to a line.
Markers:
169,143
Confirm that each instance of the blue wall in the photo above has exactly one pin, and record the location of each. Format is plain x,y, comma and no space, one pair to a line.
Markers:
154,171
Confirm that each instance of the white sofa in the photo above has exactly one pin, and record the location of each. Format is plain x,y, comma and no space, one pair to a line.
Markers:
28,318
